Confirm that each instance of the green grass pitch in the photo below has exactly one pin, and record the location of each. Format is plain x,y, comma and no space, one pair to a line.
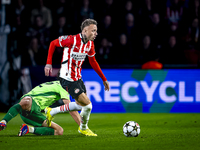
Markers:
159,131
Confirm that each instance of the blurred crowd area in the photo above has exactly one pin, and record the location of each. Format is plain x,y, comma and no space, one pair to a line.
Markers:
129,31
147,34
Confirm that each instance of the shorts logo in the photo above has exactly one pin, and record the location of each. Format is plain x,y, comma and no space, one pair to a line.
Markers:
76,91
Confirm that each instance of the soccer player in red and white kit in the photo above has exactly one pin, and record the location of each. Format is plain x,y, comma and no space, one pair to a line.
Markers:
76,48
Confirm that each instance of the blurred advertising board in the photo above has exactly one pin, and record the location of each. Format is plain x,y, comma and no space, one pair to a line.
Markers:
142,91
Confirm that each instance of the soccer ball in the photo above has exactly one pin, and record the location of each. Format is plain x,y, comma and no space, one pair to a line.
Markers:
131,129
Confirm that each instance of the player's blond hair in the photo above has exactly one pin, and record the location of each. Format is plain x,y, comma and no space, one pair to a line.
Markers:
88,22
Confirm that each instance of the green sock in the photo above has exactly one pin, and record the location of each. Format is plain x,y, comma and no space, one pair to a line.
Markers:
12,112
43,131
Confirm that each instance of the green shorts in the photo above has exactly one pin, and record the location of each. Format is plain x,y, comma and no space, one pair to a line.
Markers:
34,117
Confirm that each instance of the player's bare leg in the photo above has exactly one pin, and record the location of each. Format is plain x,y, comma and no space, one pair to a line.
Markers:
75,115
58,130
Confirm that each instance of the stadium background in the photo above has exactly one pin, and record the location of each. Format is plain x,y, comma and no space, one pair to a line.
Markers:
173,87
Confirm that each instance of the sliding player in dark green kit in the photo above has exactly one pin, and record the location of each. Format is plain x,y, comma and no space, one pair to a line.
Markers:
30,106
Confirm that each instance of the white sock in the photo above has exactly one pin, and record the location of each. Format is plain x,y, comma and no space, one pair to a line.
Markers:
72,106
31,129
3,121
85,116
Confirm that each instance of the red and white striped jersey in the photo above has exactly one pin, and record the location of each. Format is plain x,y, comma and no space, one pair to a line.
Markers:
74,54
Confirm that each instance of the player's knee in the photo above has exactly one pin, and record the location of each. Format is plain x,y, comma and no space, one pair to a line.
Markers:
88,107
26,103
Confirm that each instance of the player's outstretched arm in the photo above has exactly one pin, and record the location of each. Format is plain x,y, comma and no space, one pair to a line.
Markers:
96,67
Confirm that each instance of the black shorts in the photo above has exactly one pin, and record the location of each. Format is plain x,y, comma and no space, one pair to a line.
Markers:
74,88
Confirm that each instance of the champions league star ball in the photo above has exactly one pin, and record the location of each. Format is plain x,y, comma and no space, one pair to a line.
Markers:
131,129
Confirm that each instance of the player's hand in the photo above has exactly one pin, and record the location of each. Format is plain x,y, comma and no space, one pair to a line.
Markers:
48,69
106,85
